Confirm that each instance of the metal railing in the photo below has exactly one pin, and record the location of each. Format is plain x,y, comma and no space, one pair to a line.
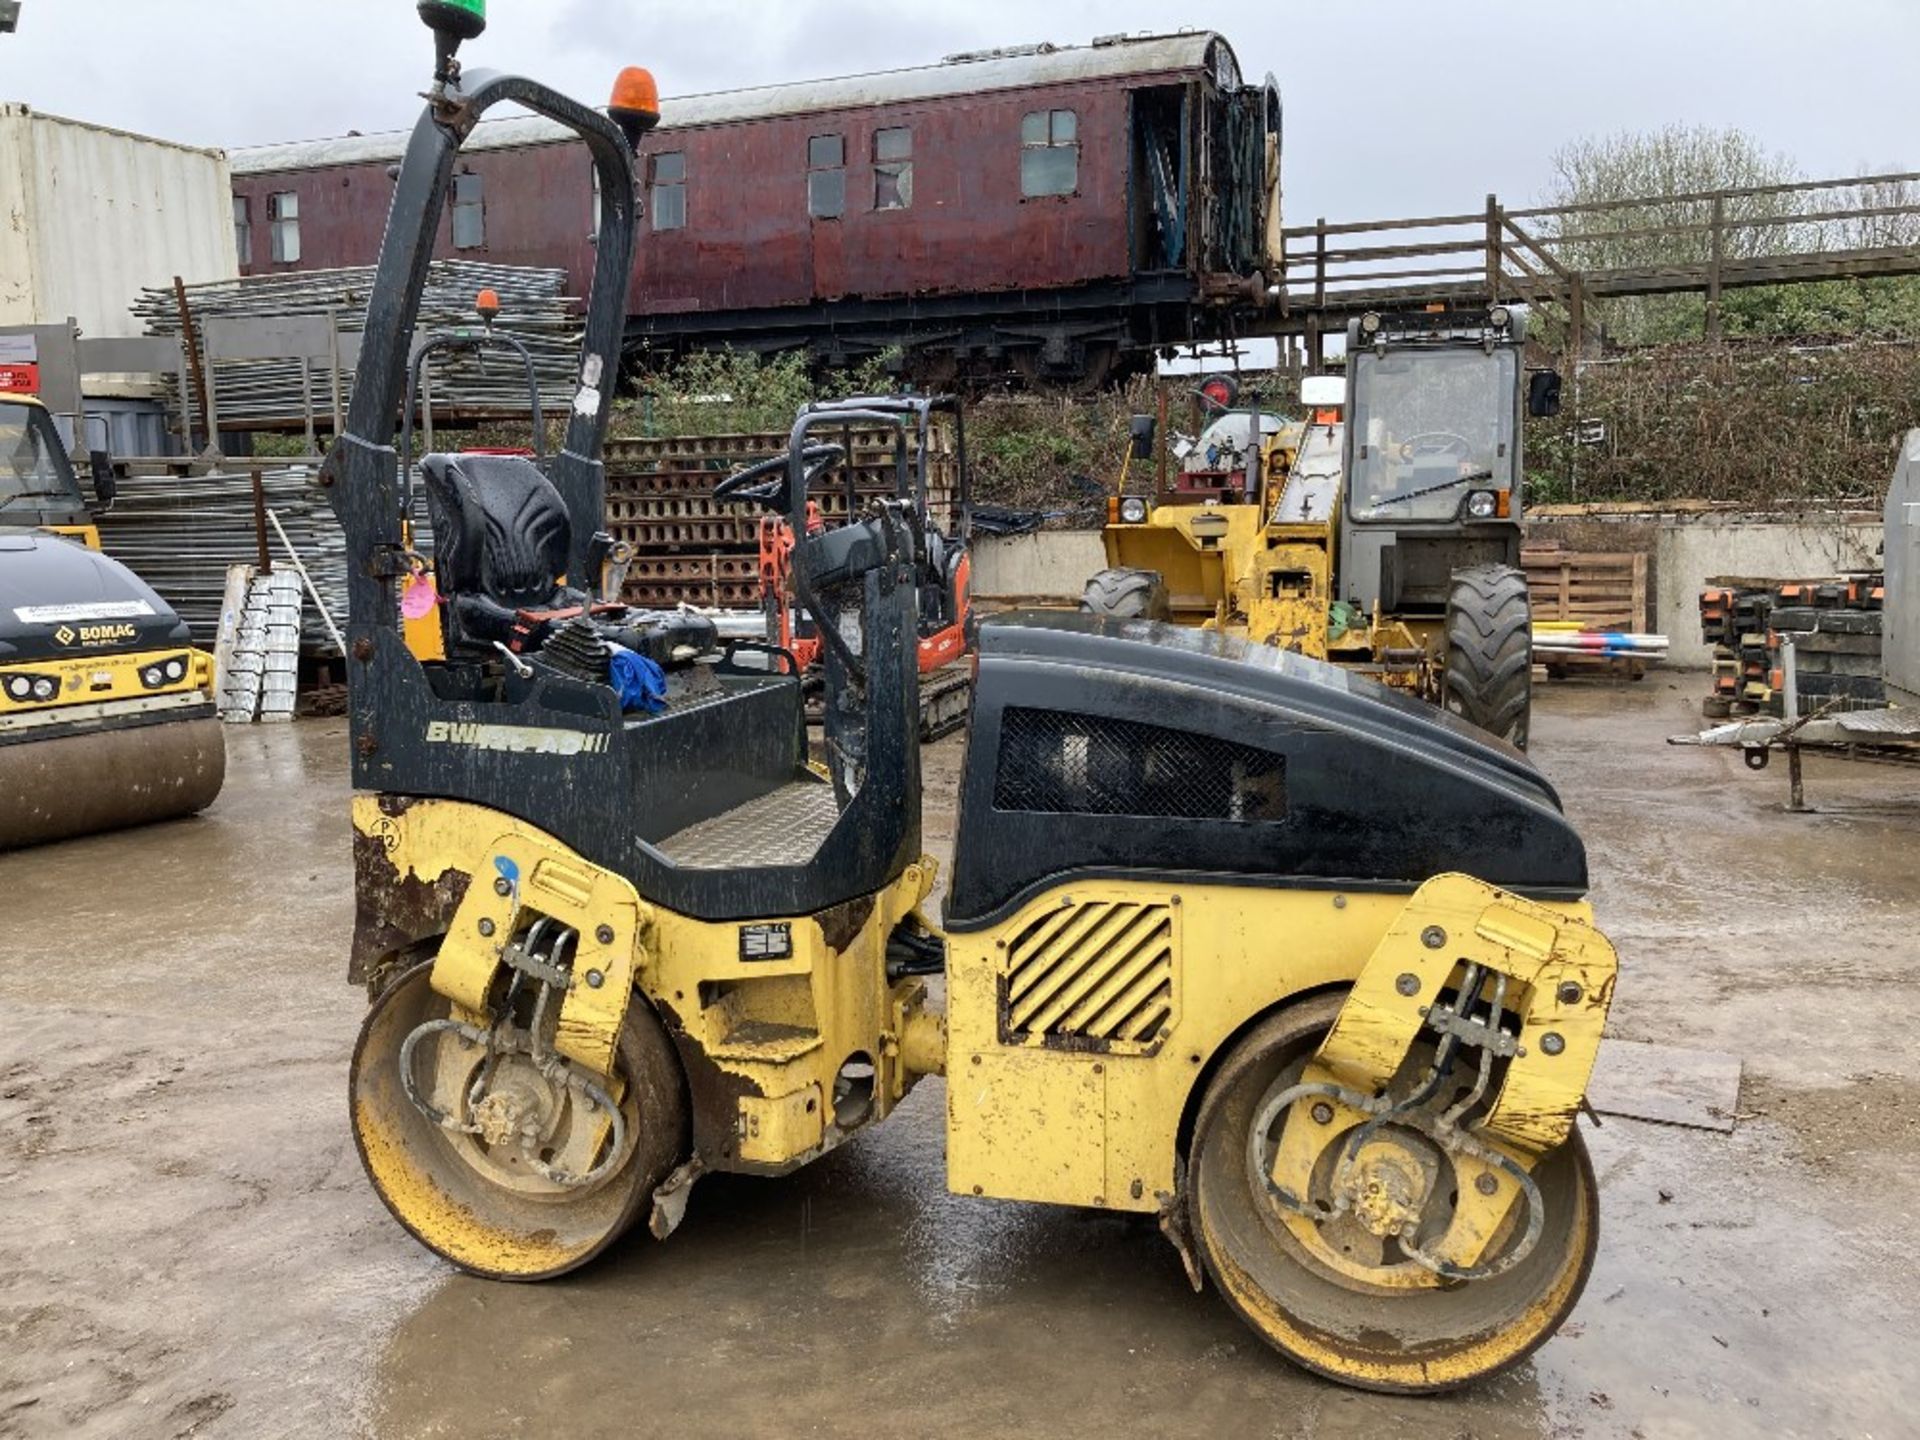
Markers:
1701,242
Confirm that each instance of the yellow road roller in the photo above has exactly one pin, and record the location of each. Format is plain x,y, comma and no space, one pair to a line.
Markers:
1291,965
106,707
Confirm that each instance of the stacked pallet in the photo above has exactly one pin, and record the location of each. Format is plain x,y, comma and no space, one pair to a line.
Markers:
691,549
1832,625
1595,590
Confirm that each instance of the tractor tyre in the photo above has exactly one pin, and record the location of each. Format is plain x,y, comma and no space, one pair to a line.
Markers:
1489,673
1127,595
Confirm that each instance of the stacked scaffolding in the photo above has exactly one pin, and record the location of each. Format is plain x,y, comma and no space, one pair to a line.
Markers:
181,533
287,391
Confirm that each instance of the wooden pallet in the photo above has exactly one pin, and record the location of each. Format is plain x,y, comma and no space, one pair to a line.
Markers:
1598,590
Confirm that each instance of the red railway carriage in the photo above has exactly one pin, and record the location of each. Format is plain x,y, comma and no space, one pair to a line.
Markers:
1047,210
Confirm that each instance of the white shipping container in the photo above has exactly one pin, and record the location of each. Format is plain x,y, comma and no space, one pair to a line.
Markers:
90,216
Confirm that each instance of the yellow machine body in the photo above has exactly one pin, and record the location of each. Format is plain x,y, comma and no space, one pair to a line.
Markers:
1239,569
1045,1102
84,679
106,714
1043,1106
87,535
764,1042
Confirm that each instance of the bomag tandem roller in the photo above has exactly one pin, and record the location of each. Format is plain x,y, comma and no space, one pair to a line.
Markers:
1296,966
106,709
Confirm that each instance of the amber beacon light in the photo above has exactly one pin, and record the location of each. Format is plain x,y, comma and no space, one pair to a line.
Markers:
635,106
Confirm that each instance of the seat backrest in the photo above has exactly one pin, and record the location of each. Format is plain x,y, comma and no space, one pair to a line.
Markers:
500,528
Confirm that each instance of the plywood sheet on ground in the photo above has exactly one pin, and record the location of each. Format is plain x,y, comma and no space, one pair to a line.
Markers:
1668,1083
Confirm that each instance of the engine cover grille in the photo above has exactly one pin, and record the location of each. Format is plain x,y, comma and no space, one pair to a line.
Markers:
1097,975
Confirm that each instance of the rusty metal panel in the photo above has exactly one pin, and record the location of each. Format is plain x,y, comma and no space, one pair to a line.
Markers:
538,211
749,242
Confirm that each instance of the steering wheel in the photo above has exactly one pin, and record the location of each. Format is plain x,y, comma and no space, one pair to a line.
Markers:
1435,442
765,481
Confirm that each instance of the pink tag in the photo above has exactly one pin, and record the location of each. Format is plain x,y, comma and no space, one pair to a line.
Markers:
417,596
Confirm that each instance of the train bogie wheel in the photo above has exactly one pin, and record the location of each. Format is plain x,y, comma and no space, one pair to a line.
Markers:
1330,1295
533,1177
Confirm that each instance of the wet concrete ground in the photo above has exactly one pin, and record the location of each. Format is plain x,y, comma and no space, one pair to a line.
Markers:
187,1245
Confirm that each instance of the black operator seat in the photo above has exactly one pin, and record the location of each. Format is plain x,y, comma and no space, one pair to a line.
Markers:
501,539
502,536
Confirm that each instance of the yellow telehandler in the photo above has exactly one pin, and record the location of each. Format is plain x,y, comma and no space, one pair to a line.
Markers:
1381,532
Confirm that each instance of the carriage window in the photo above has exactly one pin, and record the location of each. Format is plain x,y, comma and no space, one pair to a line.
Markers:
1066,763
668,175
827,176
243,228
1049,152
283,227
469,213
893,169
593,231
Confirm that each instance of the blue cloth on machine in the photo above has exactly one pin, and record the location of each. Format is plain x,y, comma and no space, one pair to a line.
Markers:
638,681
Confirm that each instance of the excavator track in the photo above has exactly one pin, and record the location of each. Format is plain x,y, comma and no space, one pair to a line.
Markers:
945,695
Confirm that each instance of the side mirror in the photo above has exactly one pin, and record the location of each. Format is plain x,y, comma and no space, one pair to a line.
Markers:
105,487
1543,394
1143,429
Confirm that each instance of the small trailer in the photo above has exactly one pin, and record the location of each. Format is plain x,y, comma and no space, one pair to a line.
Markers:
1888,733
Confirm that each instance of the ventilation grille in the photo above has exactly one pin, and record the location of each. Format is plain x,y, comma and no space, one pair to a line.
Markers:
1073,764
1095,976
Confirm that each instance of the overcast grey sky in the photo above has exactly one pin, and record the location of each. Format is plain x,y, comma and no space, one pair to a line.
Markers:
1393,107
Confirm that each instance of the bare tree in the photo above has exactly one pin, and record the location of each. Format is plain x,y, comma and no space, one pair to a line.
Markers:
1641,200
1666,197
1629,185
1897,197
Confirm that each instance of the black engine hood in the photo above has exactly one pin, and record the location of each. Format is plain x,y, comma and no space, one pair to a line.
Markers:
60,599
1362,787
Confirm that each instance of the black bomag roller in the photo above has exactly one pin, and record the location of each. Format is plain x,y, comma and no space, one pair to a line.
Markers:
1238,943
106,709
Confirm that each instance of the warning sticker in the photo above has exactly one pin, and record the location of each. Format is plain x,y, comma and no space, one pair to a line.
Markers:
92,610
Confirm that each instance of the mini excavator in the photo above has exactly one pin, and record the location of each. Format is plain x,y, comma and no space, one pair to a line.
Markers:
942,559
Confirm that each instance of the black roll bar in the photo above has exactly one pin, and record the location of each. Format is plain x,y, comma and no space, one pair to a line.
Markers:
362,470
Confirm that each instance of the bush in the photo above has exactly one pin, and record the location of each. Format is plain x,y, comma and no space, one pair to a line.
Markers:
1758,425
735,392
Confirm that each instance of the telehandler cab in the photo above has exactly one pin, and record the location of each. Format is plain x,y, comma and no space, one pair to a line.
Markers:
1234,940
